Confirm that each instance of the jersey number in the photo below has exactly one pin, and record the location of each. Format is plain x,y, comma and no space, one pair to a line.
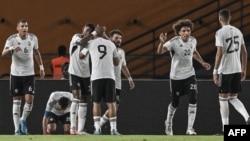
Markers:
187,52
103,50
231,41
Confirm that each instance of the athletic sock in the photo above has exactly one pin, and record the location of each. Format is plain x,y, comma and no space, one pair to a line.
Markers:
16,113
104,120
224,111
170,115
82,112
73,113
26,111
97,122
113,123
238,105
192,108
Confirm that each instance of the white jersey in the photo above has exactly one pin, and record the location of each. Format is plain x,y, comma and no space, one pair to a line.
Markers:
22,61
52,104
230,39
118,80
102,52
77,66
182,57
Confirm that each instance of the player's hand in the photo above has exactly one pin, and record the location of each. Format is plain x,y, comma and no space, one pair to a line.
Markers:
163,37
206,66
215,78
42,74
132,85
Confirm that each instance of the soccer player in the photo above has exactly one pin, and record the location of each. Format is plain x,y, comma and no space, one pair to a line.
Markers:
103,58
182,49
57,110
79,79
230,67
22,46
116,37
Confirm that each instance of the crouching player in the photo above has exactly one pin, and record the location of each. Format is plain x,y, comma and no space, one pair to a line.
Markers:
57,111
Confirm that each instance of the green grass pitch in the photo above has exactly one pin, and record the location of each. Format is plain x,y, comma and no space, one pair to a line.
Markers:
109,138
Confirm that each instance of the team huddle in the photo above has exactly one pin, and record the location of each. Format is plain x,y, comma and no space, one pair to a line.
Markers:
96,63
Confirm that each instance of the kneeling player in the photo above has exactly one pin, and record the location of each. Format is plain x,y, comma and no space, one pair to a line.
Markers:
57,111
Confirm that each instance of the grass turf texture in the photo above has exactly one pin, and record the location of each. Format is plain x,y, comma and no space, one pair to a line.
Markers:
109,138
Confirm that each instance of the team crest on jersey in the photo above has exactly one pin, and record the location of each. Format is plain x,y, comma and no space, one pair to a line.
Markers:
181,45
16,90
25,50
19,43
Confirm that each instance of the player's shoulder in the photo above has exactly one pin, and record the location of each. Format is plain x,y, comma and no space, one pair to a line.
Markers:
78,35
192,39
174,39
12,36
32,36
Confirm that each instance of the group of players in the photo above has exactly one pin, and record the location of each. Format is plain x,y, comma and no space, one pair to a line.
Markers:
96,63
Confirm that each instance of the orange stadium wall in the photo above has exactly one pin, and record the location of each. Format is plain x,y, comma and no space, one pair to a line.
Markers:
56,21
142,110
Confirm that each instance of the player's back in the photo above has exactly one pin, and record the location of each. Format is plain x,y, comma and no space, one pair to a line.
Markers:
230,39
102,52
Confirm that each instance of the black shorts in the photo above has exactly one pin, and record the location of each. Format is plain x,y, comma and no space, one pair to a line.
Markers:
21,85
185,86
63,119
103,89
229,83
79,83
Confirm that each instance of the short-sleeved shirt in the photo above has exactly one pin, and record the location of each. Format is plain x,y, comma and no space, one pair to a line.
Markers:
22,61
118,80
182,57
230,39
77,66
52,104
102,52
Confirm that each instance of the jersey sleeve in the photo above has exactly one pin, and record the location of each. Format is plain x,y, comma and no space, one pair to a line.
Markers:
51,102
124,58
168,45
218,40
35,42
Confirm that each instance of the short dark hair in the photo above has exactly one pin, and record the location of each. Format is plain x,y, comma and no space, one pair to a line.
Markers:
181,23
62,50
64,102
115,31
21,21
91,26
224,14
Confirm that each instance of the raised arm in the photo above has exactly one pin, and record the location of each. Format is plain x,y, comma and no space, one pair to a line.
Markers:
163,39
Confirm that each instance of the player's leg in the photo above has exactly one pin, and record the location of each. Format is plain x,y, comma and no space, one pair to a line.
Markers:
75,88
29,89
16,84
174,88
53,119
233,99
110,99
97,90
65,120
105,117
192,106
224,89
82,111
